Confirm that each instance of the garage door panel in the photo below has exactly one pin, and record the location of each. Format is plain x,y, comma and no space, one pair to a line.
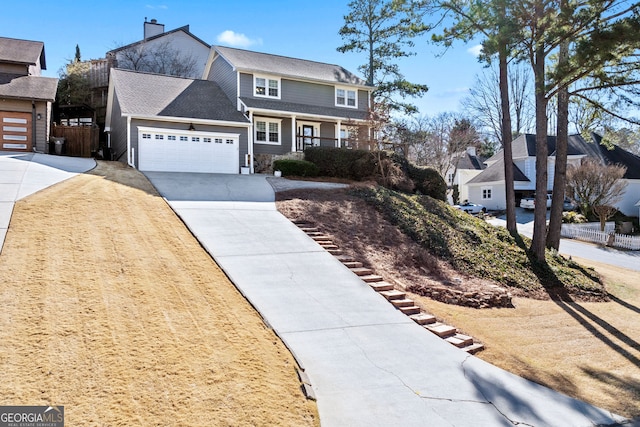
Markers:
204,153
15,131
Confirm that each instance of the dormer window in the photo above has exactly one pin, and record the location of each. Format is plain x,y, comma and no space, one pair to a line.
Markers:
346,98
267,87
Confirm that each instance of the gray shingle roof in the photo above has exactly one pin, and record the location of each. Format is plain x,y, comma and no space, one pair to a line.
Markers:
28,87
184,29
142,94
315,110
467,161
248,61
26,52
495,173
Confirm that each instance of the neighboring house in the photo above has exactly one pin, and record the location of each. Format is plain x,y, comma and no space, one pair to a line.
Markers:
264,104
488,188
466,167
163,123
25,96
163,52
292,103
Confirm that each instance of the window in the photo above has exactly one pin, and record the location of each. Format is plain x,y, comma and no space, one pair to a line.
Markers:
206,139
229,141
171,137
159,136
267,87
218,140
346,98
267,131
195,139
184,138
486,193
146,136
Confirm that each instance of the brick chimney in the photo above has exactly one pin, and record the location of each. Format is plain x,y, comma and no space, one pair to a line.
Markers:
471,151
152,28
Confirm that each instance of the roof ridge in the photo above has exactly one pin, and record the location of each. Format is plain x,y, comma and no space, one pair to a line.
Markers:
281,56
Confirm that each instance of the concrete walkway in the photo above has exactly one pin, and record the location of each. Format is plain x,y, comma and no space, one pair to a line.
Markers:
369,365
22,174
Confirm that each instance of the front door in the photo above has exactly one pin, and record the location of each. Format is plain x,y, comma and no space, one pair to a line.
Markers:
307,136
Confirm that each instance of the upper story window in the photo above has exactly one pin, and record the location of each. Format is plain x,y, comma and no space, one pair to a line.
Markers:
346,97
268,87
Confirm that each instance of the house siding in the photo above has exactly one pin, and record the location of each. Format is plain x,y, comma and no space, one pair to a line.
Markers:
118,131
184,127
285,139
498,196
222,73
14,69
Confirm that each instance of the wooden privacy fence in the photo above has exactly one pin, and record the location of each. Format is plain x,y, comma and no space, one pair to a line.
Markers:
79,141
591,233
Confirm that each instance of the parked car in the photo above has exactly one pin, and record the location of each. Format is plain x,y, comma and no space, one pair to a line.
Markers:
568,205
530,202
472,208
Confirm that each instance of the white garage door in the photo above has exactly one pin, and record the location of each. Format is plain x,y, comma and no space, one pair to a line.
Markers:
164,150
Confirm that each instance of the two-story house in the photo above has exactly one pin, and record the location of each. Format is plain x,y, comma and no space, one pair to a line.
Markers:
25,96
247,105
488,187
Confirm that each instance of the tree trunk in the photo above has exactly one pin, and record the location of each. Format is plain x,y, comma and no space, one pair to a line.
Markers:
540,211
506,141
560,173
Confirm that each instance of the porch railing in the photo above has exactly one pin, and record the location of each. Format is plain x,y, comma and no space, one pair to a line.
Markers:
303,142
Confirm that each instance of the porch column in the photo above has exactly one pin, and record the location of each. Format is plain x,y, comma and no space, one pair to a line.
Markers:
293,134
338,134
250,143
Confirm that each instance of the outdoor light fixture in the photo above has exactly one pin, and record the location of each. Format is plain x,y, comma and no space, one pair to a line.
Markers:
191,126
39,116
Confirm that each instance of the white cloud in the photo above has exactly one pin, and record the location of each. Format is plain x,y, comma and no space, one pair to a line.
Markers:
475,50
234,39
159,6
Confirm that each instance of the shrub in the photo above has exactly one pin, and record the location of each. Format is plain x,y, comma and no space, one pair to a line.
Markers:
290,167
573,217
342,163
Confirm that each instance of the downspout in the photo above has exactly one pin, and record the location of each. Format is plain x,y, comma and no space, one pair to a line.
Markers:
130,155
33,126
293,134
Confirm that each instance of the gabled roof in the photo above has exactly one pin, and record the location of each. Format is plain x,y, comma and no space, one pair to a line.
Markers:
184,29
143,94
467,161
18,86
495,173
257,62
15,51
315,110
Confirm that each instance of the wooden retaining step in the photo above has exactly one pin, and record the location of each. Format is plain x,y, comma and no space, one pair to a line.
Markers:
473,348
310,229
372,278
459,340
381,286
335,251
345,258
352,264
441,330
302,222
409,310
423,318
402,302
321,238
361,271
328,245
392,294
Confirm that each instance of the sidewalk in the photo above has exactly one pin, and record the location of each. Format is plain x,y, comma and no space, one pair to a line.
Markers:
368,364
22,174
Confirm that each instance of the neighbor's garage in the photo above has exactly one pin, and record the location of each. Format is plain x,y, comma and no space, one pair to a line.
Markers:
164,150
15,131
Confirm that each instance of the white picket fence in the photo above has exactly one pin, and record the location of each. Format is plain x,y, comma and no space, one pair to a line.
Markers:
590,232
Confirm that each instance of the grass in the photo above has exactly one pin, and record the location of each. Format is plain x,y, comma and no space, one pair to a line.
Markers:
474,247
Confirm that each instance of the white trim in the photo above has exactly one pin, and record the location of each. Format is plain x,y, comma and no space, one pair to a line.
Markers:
267,120
267,80
319,117
130,154
166,131
346,90
250,142
316,131
188,120
294,130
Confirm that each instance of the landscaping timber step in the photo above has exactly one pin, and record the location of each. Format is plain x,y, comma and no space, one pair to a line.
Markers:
328,245
310,229
402,302
473,348
345,258
423,318
392,294
334,251
302,223
409,310
459,340
441,330
372,278
352,264
321,238
381,286
361,271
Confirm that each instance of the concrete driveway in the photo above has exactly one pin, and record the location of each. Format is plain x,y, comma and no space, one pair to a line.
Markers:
368,364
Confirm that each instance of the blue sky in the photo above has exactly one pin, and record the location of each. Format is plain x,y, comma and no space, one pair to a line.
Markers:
301,29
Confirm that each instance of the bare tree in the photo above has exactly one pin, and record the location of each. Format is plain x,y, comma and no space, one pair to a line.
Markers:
160,58
604,212
593,184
